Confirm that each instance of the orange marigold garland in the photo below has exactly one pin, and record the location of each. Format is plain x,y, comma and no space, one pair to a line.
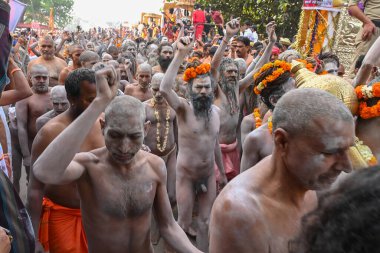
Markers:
365,92
270,125
258,120
192,72
281,68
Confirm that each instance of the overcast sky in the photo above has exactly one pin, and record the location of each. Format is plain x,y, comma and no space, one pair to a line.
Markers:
100,12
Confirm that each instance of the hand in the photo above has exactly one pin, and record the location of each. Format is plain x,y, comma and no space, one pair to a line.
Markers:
368,30
233,27
65,36
107,81
185,44
26,161
145,148
271,31
38,248
223,181
5,242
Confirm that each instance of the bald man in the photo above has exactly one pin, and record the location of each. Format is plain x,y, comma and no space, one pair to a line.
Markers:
88,59
29,109
161,137
60,104
54,64
141,89
261,209
74,53
129,184
106,58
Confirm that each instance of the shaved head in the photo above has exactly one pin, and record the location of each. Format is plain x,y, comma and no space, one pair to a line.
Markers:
296,111
74,47
88,59
157,79
124,107
58,91
144,67
46,38
38,68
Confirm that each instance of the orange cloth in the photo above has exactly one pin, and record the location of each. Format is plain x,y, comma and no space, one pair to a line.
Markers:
61,229
231,160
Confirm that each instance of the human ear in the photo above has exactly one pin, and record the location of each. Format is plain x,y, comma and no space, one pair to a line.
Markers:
102,124
281,140
146,127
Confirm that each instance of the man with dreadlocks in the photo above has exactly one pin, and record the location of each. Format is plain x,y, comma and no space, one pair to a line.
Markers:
198,130
271,83
227,99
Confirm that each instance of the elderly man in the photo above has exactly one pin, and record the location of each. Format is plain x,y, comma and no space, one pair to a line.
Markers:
128,183
262,208
227,97
60,104
29,109
54,64
141,89
161,137
165,57
198,134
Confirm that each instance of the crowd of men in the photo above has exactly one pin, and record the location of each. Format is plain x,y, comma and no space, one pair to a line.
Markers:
198,144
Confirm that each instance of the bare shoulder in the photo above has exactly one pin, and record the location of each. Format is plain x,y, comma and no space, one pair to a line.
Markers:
237,222
256,137
236,203
85,158
60,61
156,163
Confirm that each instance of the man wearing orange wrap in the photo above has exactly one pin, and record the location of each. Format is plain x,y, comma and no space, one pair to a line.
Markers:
60,229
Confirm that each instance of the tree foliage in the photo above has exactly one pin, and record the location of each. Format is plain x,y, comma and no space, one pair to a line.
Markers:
39,11
286,13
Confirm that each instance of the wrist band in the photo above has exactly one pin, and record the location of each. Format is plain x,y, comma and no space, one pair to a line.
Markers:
14,70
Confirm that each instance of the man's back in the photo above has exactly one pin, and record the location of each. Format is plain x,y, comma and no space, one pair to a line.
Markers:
255,217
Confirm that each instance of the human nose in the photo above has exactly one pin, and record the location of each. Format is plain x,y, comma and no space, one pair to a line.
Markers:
124,146
345,162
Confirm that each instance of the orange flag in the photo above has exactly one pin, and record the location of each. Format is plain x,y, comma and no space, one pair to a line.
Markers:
51,20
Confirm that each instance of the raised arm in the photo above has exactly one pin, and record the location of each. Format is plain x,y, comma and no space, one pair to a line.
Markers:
181,33
248,79
34,50
184,46
232,28
371,59
169,228
21,87
55,165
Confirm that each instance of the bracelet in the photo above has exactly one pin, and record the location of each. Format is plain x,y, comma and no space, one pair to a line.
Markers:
14,70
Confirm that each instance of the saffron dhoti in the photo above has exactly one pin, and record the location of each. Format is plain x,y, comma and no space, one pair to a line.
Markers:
231,160
61,229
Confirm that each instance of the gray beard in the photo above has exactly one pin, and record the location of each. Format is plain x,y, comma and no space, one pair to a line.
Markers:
228,88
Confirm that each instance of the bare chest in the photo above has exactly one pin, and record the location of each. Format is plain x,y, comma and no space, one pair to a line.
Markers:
120,197
39,105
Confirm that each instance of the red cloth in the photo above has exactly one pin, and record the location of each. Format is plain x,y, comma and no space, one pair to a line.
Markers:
231,160
217,17
199,18
61,229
